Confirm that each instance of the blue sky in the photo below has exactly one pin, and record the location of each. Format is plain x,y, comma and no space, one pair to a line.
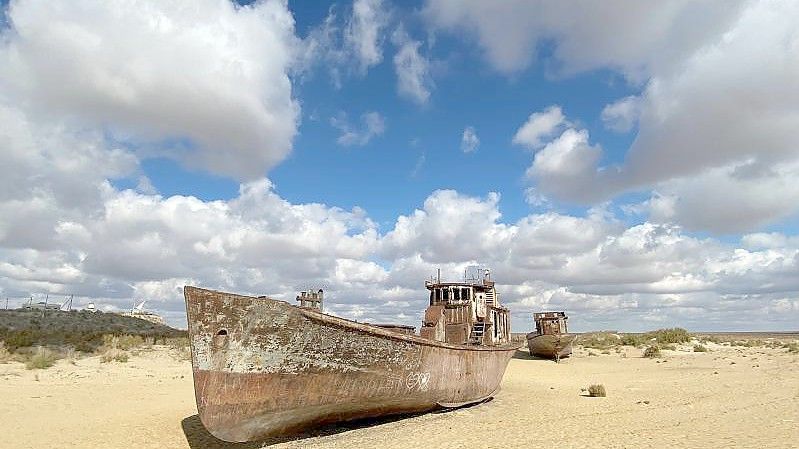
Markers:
637,164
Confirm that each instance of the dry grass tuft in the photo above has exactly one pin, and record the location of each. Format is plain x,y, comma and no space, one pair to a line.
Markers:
699,348
111,350
597,391
114,355
5,354
42,359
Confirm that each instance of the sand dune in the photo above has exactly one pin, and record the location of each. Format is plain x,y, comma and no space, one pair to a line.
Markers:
730,397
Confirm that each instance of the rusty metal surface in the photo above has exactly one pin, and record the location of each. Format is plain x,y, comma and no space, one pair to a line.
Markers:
263,367
550,346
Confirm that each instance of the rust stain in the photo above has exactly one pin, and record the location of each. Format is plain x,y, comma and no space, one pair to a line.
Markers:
551,338
263,367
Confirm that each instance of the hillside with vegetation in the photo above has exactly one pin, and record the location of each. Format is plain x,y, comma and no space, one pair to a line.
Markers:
82,330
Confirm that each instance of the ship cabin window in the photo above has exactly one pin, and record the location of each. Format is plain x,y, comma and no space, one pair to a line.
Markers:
456,294
465,294
445,295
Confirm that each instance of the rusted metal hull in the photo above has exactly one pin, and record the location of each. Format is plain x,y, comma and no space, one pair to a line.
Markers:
550,346
263,367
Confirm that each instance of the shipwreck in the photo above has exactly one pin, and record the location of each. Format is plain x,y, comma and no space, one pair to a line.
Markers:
263,367
551,338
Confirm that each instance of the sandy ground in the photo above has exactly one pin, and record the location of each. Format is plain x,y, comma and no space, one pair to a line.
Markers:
730,397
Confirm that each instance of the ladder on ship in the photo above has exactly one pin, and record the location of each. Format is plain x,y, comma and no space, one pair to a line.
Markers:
476,336
489,295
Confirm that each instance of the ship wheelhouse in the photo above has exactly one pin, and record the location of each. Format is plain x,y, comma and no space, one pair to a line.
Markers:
467,312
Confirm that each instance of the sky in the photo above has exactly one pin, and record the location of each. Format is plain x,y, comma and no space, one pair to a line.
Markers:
635,164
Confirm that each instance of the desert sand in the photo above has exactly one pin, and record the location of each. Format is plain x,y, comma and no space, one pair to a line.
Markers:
729,397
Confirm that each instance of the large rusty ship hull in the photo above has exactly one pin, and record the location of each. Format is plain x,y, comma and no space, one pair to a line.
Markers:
550,346
263,367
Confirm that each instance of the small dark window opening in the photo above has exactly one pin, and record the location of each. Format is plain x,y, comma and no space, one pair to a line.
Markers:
456,294
446,294
222,332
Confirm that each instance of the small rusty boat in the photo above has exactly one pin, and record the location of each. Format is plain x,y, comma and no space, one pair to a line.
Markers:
551,338
263,367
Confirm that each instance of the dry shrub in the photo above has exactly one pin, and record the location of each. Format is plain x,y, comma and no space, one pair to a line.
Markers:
597,391
43,358
5,354
652,352
699,348
599,340
124,342
792,347
671,335
114,355
634,340
111,351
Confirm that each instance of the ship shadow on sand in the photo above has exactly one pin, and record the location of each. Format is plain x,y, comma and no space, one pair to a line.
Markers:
198,437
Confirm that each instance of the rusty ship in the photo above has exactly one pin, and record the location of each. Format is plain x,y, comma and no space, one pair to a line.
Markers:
263,367
551,338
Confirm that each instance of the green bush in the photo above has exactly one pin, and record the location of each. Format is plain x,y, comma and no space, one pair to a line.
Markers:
652,352
672,335
16,339
634,340
699,348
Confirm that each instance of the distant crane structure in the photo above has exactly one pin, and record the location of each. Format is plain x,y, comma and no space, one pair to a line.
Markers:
66,306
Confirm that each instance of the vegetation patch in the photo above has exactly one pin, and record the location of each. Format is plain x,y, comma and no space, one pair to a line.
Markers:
114,355
672,335
599,340
82,330
792,347
699,348
636,340
43,358
5,354
597,391
652,352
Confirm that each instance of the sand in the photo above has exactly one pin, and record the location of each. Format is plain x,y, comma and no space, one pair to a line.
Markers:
730,397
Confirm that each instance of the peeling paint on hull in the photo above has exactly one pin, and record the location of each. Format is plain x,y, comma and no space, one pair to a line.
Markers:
550,346
263,367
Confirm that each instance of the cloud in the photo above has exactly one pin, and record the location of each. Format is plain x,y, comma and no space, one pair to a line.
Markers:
66,228
621,115
644,38
160,77
565,166
712,104
414,80
348,45
539,126
373,124
363,35
469,140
